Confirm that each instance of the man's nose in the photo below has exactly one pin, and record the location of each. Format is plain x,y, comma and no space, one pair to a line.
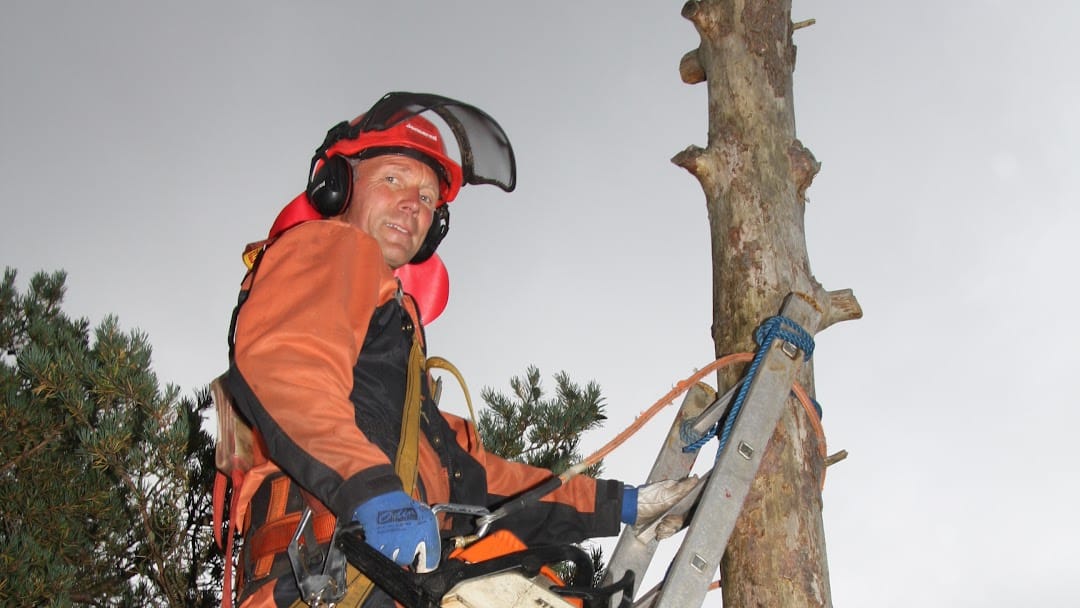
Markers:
410,199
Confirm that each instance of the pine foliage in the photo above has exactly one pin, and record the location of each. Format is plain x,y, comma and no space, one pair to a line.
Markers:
544,432
527,427
103,487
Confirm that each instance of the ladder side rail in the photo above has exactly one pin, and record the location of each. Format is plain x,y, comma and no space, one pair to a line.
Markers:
636,546
698,557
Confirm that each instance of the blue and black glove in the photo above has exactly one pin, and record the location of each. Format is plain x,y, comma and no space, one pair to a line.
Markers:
401,529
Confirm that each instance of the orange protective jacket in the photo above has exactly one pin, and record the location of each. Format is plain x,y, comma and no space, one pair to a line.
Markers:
319,368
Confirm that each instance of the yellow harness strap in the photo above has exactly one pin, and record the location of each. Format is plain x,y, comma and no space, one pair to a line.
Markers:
440,363
409,442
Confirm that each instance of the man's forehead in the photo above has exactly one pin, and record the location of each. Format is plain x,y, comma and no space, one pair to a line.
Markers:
396,161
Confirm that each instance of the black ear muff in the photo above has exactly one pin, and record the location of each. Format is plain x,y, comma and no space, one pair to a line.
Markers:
440,225
330,188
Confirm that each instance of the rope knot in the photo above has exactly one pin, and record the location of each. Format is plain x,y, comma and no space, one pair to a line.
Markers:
773,328
783,328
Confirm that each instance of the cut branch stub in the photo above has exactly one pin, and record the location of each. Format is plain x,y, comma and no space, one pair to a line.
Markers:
710,21
690,68
692,160
803,168
692,10
841,305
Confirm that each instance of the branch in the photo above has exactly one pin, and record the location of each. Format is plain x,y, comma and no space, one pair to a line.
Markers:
835,458
798,25
155,553
28,453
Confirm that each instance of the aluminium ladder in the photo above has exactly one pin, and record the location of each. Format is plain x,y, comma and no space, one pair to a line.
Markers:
718,499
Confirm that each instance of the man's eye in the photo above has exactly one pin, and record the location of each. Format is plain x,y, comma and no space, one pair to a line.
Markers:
391,179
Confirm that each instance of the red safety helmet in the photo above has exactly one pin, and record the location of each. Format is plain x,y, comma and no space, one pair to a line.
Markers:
394,126
413,135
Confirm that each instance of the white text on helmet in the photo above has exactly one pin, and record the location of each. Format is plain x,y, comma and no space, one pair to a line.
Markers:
417,129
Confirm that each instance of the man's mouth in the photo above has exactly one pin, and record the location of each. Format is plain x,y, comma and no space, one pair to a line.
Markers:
398,227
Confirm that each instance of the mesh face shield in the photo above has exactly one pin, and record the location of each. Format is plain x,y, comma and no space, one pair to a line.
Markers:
486,154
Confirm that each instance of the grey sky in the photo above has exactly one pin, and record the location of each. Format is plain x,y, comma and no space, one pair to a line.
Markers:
143,144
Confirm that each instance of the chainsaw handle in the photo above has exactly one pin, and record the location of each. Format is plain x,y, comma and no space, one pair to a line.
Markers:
426,590
522,500
399,583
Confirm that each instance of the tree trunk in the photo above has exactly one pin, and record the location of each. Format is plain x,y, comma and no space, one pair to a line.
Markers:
755,174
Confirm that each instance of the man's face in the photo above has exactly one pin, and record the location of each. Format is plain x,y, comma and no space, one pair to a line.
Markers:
393,200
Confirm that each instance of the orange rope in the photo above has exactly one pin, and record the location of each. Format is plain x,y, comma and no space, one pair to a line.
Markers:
681,387
812,415
660,404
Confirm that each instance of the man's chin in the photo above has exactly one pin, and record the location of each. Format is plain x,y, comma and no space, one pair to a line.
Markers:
396,252
396,258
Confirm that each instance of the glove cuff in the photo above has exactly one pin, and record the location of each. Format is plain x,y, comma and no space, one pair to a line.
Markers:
629,505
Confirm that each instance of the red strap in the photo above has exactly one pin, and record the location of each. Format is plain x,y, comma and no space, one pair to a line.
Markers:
221,483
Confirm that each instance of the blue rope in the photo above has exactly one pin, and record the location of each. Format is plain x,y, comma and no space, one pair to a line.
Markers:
692,440
773,328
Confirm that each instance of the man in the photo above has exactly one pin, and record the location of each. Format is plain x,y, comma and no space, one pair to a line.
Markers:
327,366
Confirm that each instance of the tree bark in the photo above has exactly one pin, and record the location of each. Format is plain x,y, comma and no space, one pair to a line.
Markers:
755,173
